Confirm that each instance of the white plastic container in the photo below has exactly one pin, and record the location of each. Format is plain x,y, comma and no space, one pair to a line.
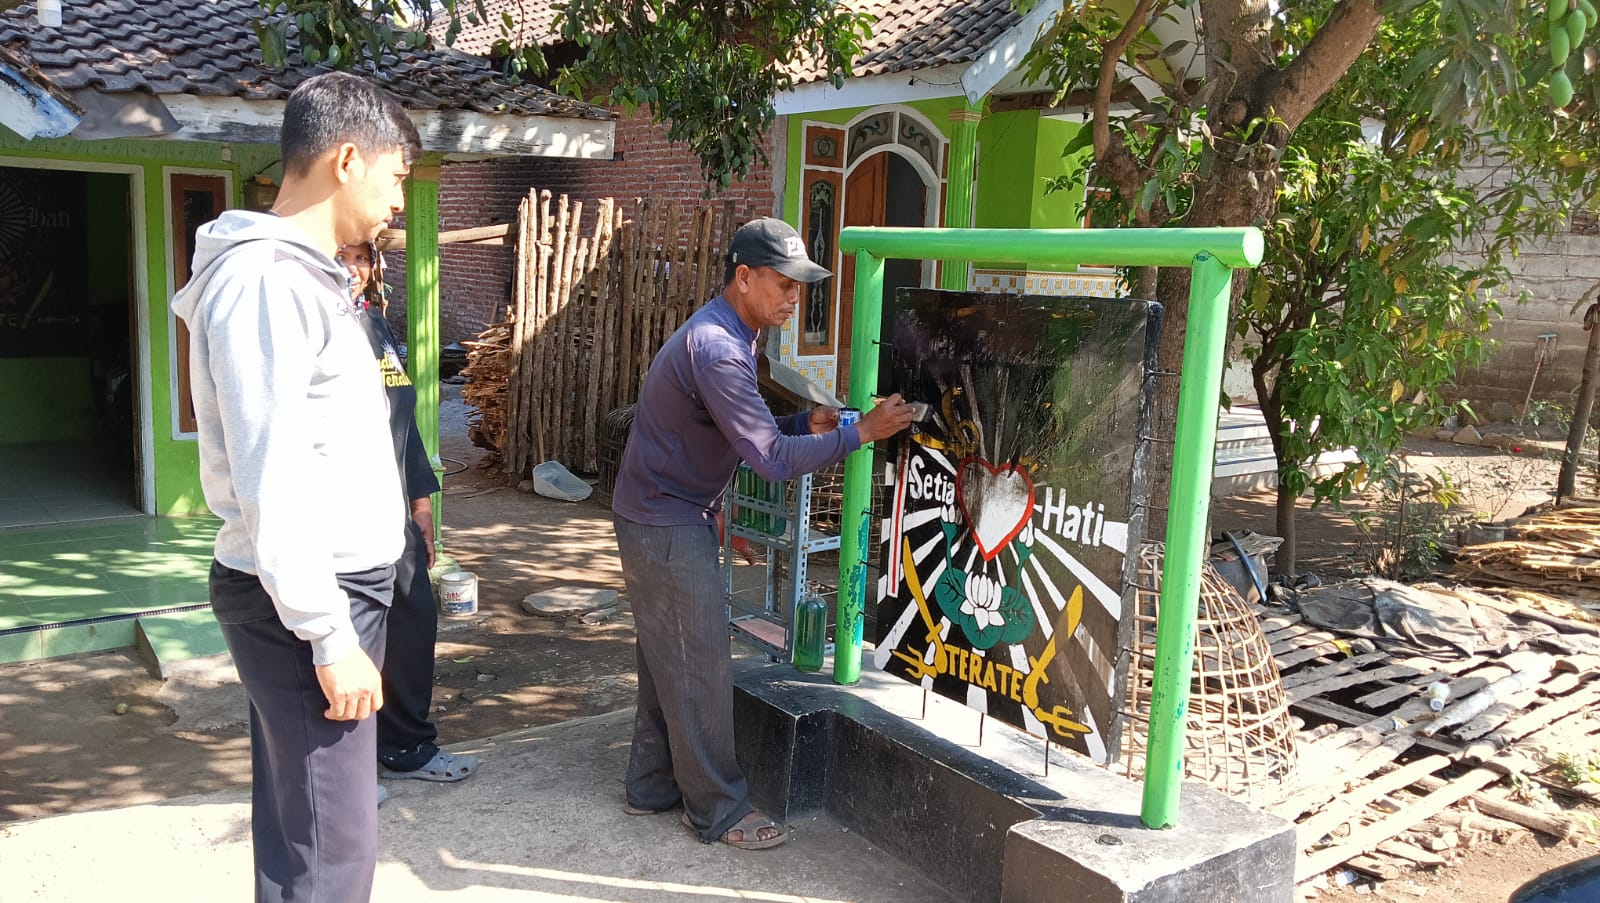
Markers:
552,480
458,594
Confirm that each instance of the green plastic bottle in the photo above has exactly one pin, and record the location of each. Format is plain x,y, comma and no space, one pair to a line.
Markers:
810,632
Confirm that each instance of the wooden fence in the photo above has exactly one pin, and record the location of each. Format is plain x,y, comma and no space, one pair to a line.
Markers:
592,301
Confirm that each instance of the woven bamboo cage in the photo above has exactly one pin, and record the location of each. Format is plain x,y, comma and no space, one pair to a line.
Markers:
1238,736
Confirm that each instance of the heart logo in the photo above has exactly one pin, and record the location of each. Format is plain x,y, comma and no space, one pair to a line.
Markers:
996,501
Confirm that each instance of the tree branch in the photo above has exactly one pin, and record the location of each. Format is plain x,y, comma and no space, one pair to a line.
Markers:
1120,168
1294,92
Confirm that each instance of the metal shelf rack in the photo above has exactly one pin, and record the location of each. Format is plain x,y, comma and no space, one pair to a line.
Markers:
787,523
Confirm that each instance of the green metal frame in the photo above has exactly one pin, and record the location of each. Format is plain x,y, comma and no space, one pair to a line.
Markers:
1212,255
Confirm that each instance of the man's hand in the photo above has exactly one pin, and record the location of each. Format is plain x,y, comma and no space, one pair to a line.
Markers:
824,419
422,513
887,417
353,687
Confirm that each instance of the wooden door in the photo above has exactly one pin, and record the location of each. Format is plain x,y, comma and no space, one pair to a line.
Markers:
865,195
196,200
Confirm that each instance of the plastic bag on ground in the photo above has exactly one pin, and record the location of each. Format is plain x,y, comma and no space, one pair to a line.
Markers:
552,480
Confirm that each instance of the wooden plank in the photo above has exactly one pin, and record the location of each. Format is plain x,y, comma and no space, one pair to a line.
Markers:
1347,805
1348,716
1380,867
1292,630
1366,838
1498,806
1413,853
1295,639
1527,723
1531,671
395,239
1340,681
1343,666
1310,653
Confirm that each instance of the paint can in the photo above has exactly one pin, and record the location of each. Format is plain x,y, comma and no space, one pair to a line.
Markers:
458,594
848,416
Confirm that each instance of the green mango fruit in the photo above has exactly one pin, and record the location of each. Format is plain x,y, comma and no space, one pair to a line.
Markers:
1576,26
1560,89
1560,46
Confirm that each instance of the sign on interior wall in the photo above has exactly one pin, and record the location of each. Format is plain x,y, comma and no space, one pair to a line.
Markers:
44,303
1015,509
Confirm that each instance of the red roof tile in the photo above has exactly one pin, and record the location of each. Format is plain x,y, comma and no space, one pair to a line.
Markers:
209,48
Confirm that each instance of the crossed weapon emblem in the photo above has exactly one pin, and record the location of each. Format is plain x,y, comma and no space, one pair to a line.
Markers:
1066,622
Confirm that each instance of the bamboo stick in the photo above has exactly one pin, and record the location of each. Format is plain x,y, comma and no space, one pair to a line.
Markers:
519,336
539,375
600,346
552,363
625,315
572,276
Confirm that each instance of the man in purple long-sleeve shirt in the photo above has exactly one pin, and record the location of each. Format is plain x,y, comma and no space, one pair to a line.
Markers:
700,412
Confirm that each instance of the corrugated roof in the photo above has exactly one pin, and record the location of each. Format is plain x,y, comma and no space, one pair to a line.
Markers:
209,48
908,34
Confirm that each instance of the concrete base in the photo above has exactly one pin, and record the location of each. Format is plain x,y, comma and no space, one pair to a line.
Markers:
184,644
983,815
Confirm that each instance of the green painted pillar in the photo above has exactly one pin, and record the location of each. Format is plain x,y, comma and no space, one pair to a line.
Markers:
422,314
958,189
855,520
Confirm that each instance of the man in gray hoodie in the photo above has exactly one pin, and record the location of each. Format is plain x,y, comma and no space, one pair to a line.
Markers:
295,458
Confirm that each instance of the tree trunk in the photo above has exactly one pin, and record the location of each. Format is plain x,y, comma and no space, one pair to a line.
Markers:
1285,562
1251,119
1582,409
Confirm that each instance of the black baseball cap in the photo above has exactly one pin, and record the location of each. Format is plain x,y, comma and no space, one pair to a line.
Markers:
769,242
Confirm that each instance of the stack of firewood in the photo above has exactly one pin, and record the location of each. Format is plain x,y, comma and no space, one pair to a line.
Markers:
487,371
1556,552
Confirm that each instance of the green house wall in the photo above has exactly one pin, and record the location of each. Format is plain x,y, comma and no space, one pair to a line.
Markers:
1017,152
48,399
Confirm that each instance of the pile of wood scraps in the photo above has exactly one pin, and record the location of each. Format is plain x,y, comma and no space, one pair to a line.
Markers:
1394,742
1555,551
488,369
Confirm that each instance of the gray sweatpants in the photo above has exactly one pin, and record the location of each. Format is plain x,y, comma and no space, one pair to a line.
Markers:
683,727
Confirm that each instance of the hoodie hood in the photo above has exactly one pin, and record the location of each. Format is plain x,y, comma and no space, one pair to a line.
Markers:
234,229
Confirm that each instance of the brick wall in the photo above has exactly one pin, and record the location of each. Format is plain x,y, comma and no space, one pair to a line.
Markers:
475,280
1555,275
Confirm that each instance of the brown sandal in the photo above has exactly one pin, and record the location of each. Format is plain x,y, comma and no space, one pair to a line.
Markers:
749,827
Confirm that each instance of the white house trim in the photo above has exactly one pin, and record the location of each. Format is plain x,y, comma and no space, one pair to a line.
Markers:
233,119
873,90
1008,51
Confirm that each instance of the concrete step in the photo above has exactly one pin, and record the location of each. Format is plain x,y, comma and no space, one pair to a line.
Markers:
186,643
1245,460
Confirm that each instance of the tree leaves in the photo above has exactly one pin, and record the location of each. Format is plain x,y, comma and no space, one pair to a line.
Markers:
708,69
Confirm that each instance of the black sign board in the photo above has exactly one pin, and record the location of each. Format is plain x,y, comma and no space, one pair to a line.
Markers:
1015,510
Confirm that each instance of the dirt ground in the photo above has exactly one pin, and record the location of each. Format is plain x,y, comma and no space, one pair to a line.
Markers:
63,748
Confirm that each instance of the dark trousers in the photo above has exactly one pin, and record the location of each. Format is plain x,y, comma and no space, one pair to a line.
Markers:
406,734
314,805
683,725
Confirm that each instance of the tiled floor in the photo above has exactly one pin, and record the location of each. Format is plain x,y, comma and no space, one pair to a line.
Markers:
73,572
64,482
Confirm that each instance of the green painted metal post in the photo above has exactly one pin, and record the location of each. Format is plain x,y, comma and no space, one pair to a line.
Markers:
855,518
422,315
1212,254
1193,455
